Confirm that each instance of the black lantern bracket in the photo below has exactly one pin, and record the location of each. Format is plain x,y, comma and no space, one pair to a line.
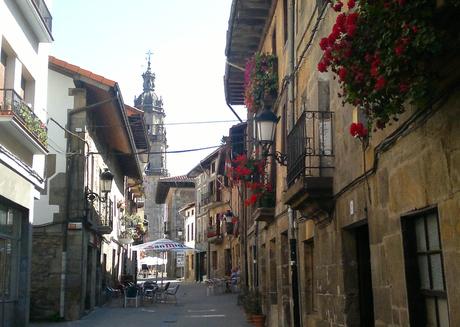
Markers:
93,196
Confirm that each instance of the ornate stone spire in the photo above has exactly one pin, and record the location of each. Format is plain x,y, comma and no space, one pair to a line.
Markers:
148,100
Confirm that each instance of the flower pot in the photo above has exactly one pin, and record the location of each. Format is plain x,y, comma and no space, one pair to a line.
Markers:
258,320
249,317
126,240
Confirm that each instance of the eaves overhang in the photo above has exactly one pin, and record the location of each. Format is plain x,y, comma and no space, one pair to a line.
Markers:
164,184
245,30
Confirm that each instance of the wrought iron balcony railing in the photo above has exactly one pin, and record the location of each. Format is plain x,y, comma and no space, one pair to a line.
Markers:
214,234
310,144
45,14
100,214
209,197
12,104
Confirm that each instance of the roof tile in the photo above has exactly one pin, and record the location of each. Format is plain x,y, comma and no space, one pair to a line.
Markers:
83,72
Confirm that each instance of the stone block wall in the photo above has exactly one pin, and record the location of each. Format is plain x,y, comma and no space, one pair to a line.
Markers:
46,271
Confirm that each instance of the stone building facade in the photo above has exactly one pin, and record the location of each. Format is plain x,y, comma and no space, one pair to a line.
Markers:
340,248
175,192
216,210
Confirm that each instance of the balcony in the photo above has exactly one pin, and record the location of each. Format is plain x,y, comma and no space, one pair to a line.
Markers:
209,198
310,168
105,223
100,215
156,171
214,235
39,18
265,208
18,119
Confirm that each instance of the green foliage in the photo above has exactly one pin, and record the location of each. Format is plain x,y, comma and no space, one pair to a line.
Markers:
260,80
33,123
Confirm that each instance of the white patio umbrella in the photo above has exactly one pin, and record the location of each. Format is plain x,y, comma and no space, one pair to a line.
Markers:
162,245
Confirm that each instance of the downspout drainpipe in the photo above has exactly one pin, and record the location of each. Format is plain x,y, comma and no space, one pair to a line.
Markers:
234,112
290,123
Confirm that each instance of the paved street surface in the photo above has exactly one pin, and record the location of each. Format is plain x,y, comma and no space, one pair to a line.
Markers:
194,308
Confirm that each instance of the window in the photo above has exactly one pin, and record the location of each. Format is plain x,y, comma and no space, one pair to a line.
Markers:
214,260
188,233
193,212
424,270
213,167
211,188
309,275
274,40
192,232
285,20
3,59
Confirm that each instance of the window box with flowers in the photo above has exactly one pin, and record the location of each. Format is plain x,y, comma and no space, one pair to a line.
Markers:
260,81
383,52
126,236
250,174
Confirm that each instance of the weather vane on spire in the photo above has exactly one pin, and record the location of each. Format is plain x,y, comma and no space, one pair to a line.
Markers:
149,54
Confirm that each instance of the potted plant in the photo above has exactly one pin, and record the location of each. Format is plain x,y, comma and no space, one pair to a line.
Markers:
253,307
126,236
260,81
382,53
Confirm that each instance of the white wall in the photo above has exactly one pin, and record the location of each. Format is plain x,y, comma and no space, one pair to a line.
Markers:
189,221
59,102
27,54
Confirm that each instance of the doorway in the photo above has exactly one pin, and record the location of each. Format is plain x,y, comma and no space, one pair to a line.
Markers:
363,253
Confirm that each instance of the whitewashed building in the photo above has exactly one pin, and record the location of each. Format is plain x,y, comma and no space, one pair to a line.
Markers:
25,38
188,212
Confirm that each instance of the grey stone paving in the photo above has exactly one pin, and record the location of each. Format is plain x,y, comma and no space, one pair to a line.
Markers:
194,308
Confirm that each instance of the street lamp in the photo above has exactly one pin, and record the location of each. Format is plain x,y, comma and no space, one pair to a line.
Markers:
105,185
266,126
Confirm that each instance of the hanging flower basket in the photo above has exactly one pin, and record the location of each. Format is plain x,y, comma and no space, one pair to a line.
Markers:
382,53
260,81
250,173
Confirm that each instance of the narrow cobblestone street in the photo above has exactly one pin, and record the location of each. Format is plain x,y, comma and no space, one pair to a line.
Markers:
194,308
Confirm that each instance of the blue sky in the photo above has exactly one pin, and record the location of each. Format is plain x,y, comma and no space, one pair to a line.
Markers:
187,38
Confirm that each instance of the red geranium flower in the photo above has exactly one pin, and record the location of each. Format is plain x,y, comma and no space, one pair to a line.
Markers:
322,67
338,6
342,73
351,4
380,83
403,87
358,130
324,43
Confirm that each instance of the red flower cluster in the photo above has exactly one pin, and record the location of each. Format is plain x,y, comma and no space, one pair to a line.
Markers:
251,200
249,172
260,80
358,130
